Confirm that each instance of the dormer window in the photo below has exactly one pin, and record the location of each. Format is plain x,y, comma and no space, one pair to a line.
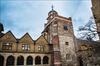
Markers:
25,47
6,46
65,27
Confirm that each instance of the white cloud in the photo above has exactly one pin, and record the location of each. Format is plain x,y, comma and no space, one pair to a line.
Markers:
29,16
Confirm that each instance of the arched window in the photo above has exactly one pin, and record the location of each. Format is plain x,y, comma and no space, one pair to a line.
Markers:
20,60
29,60
10,61
1,60
37,60
65,27
45,60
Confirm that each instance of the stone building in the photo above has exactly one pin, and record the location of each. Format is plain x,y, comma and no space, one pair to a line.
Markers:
24,51
96,14
88,53
59,32
57,46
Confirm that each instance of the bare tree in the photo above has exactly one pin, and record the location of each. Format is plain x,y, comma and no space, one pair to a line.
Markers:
88,31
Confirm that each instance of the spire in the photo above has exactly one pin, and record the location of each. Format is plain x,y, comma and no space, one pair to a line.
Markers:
52,7
52,11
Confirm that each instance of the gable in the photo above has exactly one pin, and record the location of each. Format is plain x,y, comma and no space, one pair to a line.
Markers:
8,37
41,40
26,39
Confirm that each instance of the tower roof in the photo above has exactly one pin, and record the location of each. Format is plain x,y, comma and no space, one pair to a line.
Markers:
1,27
52,11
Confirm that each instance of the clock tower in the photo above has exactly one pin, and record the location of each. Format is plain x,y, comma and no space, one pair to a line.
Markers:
59,32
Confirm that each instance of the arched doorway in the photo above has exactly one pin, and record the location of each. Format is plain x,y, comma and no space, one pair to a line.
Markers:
20,60
80,61
1,60
29,60
10,61
37,60
45,60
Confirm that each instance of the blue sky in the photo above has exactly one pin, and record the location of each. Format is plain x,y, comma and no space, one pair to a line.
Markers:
21,16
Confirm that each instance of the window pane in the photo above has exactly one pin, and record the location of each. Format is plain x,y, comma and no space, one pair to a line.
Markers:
40,48
6,46
65,27
25,47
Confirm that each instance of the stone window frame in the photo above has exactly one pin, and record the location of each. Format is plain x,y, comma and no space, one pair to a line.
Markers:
67,43
40,48
25,47
7,46
65,27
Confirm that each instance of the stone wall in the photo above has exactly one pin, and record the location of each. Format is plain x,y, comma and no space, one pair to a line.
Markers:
25,55
96,14
89,52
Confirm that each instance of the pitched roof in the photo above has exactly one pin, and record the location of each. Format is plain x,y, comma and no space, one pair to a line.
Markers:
8,37
42,38
26,39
